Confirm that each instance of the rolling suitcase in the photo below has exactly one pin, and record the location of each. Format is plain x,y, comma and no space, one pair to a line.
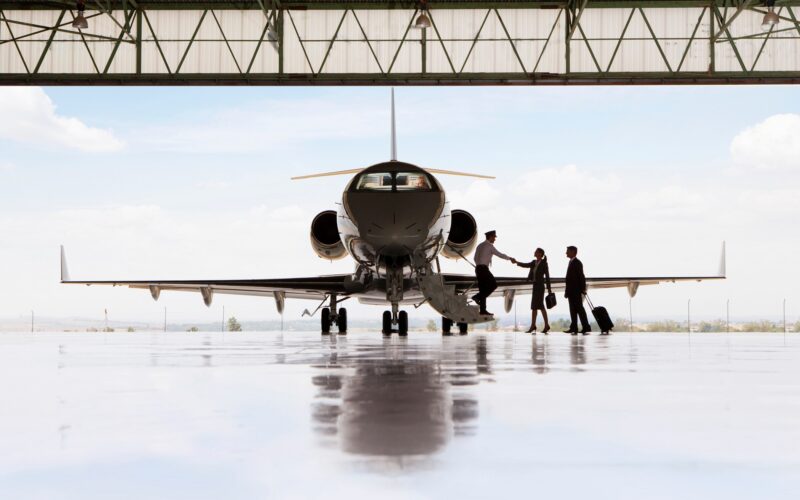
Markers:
601,316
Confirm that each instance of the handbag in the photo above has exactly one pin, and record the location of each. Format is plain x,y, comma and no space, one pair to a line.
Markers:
550,299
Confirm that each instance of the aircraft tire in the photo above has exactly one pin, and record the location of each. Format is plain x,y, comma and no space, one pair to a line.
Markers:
341,321
463,328
402,324
387,322
325,320
447,324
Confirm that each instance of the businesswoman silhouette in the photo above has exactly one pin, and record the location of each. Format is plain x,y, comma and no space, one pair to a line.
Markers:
540,275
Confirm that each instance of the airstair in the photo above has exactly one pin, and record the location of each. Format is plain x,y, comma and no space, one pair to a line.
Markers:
443,298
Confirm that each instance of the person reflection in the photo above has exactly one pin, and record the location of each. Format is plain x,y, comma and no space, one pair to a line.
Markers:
393,403
539,356
482,356
577,353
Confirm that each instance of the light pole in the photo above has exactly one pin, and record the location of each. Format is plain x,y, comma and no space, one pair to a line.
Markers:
516,325
728,316
31,320
165,319
223,320
630,313
784,316
689,316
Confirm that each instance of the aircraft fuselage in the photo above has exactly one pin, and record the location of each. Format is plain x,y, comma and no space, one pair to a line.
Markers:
391,210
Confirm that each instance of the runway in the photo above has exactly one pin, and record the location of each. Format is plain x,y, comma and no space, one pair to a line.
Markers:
295,415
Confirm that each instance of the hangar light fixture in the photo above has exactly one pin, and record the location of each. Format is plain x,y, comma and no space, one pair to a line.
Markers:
80,21
423,21
770,18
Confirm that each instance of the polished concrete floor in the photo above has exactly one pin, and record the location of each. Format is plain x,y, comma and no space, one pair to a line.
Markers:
294,415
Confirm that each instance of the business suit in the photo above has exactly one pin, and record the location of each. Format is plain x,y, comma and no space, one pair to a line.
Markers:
575,288
540,276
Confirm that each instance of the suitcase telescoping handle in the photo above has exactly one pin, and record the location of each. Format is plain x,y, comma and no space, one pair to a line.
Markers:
588,301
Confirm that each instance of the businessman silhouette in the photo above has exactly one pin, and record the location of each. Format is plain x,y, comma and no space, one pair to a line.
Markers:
574,290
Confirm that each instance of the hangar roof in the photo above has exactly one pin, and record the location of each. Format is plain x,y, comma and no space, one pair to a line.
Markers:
330,42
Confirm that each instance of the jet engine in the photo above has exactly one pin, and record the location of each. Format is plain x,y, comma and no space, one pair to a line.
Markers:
325,238
463,234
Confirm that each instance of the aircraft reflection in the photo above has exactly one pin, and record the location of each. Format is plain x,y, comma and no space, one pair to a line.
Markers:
398,400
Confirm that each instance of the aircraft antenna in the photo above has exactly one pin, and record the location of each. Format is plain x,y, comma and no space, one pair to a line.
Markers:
394,131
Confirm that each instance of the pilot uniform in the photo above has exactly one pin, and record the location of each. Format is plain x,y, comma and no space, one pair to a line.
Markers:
483,261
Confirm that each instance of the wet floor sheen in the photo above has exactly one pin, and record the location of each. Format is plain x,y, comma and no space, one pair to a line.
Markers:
294,415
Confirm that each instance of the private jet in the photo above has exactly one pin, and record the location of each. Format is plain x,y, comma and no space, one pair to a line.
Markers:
394,222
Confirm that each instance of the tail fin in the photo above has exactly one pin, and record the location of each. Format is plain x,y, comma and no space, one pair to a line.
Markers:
394,131
722,264
64,270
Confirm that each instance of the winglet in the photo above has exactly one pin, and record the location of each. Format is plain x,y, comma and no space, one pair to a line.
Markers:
722,264
64,270
394,131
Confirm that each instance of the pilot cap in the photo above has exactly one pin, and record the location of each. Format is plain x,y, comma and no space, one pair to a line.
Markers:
491,233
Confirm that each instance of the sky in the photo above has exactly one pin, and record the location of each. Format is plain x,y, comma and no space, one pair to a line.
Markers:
193,183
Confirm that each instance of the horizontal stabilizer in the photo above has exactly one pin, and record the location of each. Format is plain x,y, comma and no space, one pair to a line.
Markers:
328,174
354,171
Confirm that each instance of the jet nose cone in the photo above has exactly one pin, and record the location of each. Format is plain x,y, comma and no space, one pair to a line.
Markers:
396,223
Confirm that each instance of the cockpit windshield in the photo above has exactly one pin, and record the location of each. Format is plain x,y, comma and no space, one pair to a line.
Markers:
393,181
378,181
412,181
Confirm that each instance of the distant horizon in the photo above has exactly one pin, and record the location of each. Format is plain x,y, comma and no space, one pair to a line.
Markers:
58,323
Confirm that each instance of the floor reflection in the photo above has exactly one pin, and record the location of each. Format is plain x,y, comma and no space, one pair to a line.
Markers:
398,400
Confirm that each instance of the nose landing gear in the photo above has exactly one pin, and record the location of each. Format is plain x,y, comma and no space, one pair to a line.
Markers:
395,317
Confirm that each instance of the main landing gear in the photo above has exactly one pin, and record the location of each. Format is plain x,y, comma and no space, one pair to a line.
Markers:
331,315
447,325
395,317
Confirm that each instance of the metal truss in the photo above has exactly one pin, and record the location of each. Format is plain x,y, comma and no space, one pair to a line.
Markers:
273,42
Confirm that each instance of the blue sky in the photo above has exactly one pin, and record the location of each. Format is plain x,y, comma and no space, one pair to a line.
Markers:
193,182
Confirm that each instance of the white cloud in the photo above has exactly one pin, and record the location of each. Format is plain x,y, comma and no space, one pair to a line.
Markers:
567,183
670,201
478,195
29,116
772,144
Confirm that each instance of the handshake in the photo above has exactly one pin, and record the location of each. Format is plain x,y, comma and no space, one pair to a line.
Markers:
513,260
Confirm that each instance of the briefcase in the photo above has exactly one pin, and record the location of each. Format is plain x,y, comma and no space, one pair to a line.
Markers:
601,317
550,300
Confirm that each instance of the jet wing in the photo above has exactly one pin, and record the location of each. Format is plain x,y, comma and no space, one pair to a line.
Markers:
316,287
522,286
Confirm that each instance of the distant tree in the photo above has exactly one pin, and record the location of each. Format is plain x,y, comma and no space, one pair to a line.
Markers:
431,326
131,329
666,326
492,326
712,326
233,325
796,327
108,329
559,324
193,329
761,326
622,325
